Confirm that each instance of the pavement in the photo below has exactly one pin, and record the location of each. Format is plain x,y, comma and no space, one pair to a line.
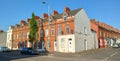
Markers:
83,53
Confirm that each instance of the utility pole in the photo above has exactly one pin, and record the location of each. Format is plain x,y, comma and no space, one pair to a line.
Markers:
48,41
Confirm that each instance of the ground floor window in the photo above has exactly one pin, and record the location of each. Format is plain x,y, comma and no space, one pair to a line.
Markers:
22,44
62,43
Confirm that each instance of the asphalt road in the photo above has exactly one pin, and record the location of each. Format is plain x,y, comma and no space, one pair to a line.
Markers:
106,54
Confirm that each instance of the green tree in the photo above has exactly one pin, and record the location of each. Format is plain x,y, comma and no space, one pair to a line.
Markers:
33,30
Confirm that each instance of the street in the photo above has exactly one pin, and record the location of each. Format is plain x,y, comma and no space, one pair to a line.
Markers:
105,54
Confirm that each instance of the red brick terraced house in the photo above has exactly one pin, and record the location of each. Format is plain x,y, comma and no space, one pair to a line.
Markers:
20,34
67,32
106,34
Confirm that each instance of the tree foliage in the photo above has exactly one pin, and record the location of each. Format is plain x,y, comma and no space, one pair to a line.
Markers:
33,29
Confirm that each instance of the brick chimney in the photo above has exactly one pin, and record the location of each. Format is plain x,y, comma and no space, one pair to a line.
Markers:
28,20
54,13
45,15
37,18
22,22
66,10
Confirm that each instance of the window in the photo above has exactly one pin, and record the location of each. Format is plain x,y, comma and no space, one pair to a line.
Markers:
50,21
85,30
67,29
37,44
104,35
65,17
62,43
28,44
59,30
27,34
38,22
47,32
53,31
25,45
20,44
41,33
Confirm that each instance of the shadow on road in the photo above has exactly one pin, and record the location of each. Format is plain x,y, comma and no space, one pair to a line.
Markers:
14,55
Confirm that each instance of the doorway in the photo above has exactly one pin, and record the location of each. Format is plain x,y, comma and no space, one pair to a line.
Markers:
70,45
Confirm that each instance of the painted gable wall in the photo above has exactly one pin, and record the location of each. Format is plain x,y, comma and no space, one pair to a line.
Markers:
82,21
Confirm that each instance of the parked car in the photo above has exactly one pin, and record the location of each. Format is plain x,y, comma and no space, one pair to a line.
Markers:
116,45
29,51
4,49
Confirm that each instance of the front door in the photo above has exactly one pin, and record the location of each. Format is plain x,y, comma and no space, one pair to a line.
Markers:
70,45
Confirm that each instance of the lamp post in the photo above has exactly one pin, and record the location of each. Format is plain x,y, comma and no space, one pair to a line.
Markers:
48,24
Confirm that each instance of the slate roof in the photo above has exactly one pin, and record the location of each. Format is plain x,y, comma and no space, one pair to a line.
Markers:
71,13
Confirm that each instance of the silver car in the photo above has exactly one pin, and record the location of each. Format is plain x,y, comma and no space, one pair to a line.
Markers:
4,49
116,45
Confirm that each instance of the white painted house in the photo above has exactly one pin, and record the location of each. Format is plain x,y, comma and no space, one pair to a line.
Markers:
9,37
82,39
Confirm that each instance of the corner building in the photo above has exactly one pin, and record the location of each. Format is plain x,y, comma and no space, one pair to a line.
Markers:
68,32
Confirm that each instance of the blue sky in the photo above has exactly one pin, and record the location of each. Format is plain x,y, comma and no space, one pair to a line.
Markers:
12,11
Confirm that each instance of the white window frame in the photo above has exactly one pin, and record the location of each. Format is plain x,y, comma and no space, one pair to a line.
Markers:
65,17
67,27
47,32
53,32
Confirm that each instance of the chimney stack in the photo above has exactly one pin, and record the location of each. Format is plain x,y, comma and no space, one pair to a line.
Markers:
45,15
22,23
66,10
54,13
37,18
28,20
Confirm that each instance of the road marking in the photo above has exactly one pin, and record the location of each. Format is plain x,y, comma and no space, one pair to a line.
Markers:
109,56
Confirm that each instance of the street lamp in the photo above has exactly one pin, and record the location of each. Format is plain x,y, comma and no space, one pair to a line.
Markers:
49,20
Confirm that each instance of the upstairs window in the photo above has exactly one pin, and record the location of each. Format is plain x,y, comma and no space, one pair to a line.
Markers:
59,30
27,34
47,32
50,21
67,29
53,31
65,17
41,33
38,22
